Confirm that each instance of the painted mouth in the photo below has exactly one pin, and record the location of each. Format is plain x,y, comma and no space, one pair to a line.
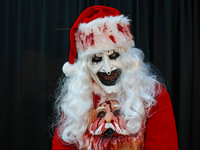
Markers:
111,79
109,132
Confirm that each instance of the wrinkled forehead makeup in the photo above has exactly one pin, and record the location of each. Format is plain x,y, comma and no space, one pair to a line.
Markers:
112,104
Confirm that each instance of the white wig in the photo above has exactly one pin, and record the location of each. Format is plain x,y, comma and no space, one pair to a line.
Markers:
139,89
137,94
73,102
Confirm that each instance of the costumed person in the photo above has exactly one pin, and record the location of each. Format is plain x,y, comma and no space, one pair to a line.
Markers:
110,99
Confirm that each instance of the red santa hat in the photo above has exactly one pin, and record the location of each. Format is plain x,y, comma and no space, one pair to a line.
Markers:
99,29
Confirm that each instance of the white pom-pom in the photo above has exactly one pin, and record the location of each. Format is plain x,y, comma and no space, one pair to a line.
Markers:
69,69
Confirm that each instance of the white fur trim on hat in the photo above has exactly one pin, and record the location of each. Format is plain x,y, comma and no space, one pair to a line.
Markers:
103,34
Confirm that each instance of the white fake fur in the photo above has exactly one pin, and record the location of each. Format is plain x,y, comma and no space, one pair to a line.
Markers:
102,42
75,99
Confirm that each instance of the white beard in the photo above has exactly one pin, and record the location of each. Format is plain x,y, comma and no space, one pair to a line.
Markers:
119,142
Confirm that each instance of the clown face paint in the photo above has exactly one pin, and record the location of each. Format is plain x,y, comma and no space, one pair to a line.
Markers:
105,69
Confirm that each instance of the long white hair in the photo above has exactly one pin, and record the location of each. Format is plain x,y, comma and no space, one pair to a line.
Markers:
139,89
136,95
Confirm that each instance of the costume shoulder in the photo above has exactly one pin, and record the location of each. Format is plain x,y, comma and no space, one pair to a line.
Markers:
58,144
161,128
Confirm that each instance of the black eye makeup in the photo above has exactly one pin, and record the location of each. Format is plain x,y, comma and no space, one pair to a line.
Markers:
117,112
114,55
96,59
101,114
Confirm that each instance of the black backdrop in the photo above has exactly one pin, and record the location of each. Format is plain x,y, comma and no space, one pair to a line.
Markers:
34,44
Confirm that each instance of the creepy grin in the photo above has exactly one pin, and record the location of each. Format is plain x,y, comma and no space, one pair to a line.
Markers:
109,80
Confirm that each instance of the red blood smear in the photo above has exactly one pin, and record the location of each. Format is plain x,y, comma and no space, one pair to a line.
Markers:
103,128
118,122
127,31
82,42
112,38
109,103
90,39
98,123
120,28
105,28
91,35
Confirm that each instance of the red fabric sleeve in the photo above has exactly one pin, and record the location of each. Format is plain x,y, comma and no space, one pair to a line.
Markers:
161,131
58,144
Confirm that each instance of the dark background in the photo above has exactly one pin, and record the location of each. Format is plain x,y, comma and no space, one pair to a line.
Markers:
34,44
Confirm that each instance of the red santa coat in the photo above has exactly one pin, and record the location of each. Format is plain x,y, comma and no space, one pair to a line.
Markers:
161,131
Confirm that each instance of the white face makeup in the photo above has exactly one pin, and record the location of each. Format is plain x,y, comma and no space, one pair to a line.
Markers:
105,69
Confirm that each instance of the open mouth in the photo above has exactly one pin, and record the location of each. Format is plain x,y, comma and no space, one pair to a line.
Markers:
111,79
109,132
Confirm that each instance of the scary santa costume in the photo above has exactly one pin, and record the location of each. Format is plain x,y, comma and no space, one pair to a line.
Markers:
109,98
